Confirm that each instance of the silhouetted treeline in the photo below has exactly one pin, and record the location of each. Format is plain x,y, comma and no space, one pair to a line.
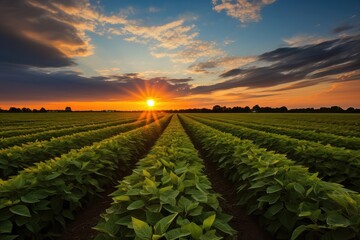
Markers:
258,109
23,110
215,109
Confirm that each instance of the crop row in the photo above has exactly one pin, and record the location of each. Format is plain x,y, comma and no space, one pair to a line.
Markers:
45,135
334,164
167,196
18,157
41,128
37,202
288,122
323,138
292,202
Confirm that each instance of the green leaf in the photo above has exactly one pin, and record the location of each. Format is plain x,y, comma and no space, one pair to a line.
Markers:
337,220
271,198
258,185
136,205
176,234
142,230
224,227
121,198
299,188
274,188
6,226
296,233
169,197
52,176
208,222
34,196
146,173
150,183
194,230
21,210
274,209
162,225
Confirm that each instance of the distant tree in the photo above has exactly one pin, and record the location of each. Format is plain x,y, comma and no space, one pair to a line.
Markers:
283,109
42,110
336,109
24,109
14,109
68,109
217,108
256,108
350,110
247,109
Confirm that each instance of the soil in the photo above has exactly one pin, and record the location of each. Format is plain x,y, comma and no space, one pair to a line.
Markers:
247,226
81,227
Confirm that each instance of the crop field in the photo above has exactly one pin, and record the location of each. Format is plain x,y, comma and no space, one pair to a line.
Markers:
201,176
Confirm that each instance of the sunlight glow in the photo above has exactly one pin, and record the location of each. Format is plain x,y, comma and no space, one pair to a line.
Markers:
150,102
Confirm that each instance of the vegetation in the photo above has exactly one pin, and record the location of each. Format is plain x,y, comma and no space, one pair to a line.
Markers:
298,174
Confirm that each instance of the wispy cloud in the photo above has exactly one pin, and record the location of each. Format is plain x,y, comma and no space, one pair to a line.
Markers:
174,40
343,27
220,64
153,9
328,61
302,40
195,50
242,10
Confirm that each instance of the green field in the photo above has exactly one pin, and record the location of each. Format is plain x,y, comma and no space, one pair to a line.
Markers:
179,176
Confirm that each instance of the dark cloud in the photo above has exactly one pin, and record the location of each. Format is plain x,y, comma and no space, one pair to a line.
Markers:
342,28
43,33
232,72
248,95
25,84
328,59
16,49
180,80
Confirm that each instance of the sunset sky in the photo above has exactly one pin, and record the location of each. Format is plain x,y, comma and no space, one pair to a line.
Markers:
182,53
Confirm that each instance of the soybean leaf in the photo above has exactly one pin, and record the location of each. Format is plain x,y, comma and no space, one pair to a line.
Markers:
162,225
296,233
142,229
136,205
21,210
208,222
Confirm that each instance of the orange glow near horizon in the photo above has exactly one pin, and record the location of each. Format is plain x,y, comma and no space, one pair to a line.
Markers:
323,95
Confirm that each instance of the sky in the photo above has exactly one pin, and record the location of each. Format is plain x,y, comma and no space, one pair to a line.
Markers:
111,54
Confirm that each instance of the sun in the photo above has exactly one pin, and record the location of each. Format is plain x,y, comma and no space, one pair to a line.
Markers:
150,102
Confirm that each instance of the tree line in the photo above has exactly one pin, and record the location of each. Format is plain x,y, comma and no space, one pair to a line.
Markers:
218,109
258,109
28,110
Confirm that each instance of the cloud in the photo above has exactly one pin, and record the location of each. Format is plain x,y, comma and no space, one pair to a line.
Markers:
153,9
343,27
57,27
174,40
334,60
16,49
62,29
19,83
195,50
226,63
302,40
169,36
242,10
